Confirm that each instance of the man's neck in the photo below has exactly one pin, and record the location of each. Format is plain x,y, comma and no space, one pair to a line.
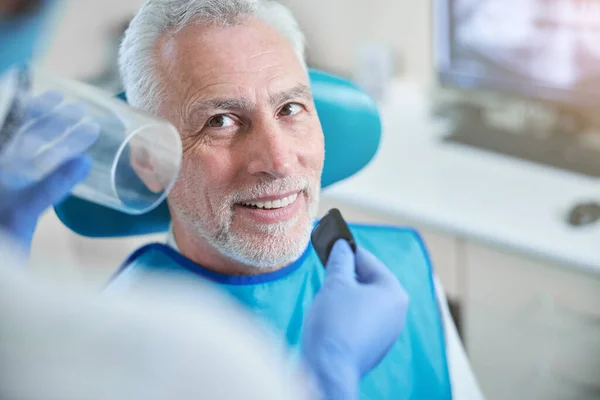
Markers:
199,251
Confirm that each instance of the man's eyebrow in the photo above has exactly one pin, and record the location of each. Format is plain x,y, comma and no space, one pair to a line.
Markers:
297,92
300,91
220,104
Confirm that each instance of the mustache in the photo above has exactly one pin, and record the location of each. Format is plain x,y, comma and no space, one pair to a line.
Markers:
270,187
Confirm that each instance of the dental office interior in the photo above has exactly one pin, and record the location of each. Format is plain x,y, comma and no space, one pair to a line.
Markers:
490,148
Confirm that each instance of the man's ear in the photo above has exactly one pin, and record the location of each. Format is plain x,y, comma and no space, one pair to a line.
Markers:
146,168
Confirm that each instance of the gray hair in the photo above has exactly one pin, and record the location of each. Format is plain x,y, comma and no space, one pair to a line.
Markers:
137,63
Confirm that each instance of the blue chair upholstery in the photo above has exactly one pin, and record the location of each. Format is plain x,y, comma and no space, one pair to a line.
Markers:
352,130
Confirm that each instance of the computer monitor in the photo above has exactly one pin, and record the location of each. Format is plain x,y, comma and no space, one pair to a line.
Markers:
541,49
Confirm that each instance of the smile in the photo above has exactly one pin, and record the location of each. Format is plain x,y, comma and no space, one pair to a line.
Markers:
272,204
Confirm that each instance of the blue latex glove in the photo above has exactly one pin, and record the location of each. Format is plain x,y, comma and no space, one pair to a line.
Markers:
35,176
355,319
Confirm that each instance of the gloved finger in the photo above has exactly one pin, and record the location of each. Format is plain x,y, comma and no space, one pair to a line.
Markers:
34,109
57,186
340,264
17,177
370,269
76,142
19,172
49,127
43,104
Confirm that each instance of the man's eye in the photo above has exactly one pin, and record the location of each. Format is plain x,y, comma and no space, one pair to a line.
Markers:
290,109
220,121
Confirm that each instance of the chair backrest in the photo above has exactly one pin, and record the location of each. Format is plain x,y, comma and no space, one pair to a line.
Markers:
352,130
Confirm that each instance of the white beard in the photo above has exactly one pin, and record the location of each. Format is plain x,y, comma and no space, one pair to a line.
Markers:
280,247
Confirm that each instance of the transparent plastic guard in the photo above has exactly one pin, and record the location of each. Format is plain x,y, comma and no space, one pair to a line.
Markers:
136,157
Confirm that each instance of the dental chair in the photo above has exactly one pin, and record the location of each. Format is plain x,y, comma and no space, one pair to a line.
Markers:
352,130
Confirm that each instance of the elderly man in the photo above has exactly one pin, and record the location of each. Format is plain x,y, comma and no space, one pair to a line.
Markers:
231,75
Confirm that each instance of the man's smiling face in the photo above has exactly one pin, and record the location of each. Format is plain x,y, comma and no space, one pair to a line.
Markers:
253,143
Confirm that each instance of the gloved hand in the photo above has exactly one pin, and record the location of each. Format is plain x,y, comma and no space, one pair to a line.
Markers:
355,319
35,175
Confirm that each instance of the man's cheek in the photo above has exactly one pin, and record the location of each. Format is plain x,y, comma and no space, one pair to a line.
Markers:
317,155
176,196
184,187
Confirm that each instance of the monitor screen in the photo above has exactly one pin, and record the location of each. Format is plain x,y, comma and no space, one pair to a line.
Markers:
545,49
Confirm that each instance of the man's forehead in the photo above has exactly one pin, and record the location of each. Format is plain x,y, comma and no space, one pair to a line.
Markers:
232,67
207,54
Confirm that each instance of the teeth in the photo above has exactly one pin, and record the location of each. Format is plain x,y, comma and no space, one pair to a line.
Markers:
273,204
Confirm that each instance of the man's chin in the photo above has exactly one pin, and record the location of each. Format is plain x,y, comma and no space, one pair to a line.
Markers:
271,247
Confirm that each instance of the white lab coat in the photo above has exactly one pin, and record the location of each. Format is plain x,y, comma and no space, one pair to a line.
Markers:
163,341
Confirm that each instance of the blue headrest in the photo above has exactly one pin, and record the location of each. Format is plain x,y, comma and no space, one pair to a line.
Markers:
352,130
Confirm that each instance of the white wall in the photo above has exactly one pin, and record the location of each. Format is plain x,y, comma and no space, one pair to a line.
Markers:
76,46
336,30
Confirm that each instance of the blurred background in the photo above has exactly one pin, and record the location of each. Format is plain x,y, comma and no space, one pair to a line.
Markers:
491,149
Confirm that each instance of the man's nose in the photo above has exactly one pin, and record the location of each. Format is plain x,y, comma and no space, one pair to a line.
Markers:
271,151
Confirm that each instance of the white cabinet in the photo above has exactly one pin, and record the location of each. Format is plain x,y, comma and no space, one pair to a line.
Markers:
532,330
